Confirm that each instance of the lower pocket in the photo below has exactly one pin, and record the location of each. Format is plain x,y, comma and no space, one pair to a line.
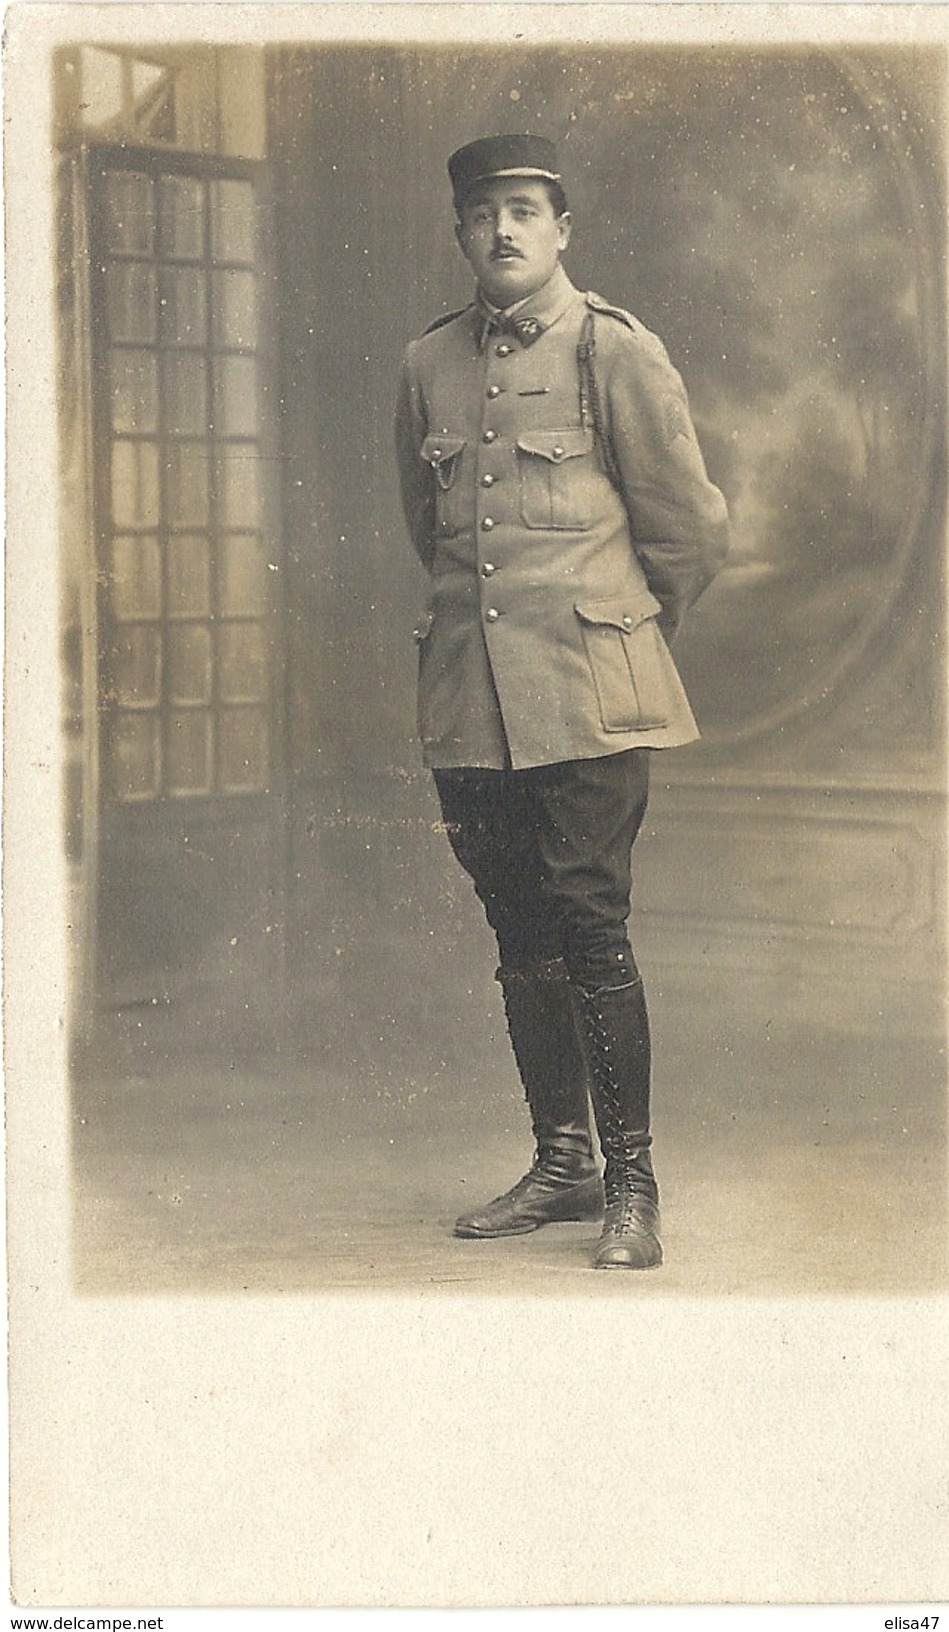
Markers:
421,634
627,659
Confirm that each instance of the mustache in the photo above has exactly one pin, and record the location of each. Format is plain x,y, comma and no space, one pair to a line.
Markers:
505,250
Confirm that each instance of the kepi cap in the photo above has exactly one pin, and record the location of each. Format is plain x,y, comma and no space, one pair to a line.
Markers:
501,156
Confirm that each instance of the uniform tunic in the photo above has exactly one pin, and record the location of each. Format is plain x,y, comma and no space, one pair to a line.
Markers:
552,589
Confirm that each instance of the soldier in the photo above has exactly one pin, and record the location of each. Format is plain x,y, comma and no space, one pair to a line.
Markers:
555,492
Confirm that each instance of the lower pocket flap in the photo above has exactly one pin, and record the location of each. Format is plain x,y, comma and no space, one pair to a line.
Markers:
619,612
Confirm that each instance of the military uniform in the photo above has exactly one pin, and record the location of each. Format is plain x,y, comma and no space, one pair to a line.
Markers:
540,643
555,492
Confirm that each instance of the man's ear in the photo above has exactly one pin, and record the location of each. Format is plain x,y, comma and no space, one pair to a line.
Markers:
460,238
565,228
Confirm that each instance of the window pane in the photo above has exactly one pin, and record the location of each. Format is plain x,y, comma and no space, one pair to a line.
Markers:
189,576
130,213
184,384
130,297
233,220
235,396
182,218
156,115
240,466
136,756
146,77
235,309
134,391
135,484
189,752
187,479
189,663
242,676
101,82
136,578
184,320
243,749
243,587
137,666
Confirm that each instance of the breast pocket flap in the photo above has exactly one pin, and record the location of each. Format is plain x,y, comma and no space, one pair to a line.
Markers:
441,451
556,445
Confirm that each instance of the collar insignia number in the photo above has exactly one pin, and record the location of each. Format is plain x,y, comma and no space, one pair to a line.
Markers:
527,329
524,329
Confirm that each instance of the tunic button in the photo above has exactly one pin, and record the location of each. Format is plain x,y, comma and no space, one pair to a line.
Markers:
504,350
487,524
492,614
488,570
558,453
488,480
494,390
490,436
627,622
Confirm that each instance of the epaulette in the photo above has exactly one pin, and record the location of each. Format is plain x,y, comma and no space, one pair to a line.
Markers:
596,303
447,317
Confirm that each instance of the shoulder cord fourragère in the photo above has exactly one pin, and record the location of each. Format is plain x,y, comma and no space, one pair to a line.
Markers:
591,407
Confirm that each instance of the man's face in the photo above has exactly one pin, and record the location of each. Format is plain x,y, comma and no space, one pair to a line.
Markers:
511,237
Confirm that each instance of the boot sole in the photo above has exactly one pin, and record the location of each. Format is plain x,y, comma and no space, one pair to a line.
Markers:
636,1268
653,1263
528,1228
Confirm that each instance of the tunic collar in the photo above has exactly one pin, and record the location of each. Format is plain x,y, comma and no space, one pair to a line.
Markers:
546,305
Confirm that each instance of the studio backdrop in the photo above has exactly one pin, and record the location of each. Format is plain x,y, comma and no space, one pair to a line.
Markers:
249,237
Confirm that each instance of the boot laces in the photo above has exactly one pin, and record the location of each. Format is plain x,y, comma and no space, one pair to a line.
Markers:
630,1203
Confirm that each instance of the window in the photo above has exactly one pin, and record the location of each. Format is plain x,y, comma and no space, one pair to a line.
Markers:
187,567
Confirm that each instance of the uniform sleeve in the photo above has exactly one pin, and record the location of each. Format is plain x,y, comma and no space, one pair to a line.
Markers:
415,477
678,518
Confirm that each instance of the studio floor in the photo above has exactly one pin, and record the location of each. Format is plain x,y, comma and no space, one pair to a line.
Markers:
789,1163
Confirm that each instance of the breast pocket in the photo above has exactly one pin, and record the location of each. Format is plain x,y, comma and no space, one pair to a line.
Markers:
628,661
558,478
444,454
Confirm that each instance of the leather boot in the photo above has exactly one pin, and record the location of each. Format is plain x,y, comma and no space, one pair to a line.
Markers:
563,1183
617,1031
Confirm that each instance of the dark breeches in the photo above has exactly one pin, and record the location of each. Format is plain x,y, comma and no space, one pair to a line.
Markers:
549,852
